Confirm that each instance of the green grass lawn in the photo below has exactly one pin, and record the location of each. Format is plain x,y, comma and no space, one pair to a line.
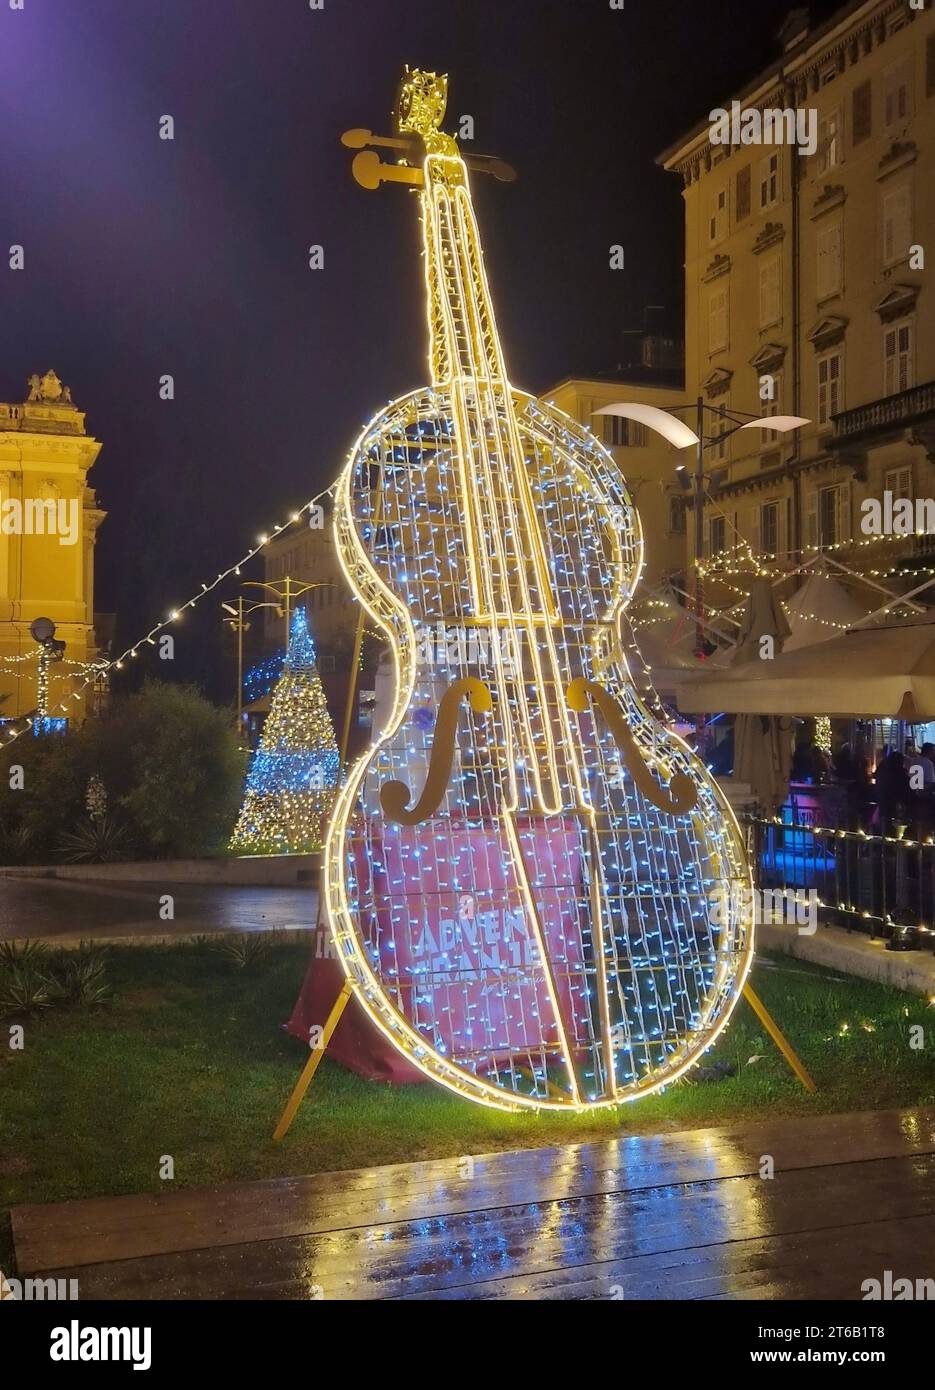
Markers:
190,1060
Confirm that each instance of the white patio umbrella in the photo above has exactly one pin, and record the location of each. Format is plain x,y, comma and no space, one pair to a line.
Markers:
762,742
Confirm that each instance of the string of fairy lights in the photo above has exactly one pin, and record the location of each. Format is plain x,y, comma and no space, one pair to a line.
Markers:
100,668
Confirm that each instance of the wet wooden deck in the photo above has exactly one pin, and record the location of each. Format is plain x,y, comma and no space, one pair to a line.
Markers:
675,1216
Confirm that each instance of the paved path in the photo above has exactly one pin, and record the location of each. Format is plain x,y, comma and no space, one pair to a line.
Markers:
676,1216
72,910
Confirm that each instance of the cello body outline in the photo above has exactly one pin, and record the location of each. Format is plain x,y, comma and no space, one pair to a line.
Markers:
519,873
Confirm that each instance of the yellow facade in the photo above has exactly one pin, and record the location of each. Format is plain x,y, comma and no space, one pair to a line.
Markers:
646,461
805,276
45,458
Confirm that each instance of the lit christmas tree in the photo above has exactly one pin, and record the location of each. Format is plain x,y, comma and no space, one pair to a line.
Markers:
292,781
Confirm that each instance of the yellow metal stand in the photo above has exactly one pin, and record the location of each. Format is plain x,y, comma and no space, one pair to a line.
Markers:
311,1066
763,1014
341,1003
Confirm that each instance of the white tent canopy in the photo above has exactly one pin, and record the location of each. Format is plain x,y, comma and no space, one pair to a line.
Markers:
867,672
821,610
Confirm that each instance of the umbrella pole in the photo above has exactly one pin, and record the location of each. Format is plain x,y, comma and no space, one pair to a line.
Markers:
779,1038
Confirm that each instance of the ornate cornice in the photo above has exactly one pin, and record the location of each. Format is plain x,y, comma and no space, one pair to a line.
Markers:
828,331
771,235
719,266
831,196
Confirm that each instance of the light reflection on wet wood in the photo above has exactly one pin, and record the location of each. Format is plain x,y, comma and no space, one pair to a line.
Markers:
674,1216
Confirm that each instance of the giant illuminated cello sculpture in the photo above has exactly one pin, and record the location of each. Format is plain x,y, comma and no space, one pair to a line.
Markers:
519,875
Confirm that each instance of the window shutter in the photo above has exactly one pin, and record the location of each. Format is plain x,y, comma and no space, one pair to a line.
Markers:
829,261
930,65
889,362
844,512
755,529
811,518
743,193
863,111
770,293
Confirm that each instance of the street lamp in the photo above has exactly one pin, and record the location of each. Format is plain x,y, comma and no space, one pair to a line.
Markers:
237,624
42,630
286,590
682,436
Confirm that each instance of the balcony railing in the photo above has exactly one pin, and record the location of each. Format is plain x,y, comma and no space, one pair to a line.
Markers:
891,412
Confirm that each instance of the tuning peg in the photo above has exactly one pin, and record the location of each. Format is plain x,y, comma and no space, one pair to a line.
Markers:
370,171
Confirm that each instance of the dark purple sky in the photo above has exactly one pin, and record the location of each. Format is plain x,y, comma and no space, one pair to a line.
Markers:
146,257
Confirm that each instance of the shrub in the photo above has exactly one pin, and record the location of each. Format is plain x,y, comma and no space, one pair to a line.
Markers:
246,951
24,992
167,762
99,841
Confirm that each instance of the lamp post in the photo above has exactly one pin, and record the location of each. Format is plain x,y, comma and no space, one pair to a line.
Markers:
42,630
239,610
286,591
664,422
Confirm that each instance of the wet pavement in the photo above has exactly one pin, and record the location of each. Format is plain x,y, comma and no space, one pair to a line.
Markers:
72,910
686,1215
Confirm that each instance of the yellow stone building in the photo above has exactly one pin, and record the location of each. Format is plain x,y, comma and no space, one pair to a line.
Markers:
49,519
805,280
646,461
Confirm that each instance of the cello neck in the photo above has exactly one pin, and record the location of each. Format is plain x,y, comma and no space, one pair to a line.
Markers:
510,574
463,341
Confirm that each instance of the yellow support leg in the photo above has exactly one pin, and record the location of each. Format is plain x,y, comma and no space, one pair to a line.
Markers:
762,1013
311,1066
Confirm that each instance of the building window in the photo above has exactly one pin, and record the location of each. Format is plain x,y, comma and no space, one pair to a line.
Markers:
770,291
830,387
620,433
718,220
898,365
771,407
897,94
677,515
830,260
898,481
717,535
742,195
768,171
897,224
718,320
769,528
831,518
830,141
722,429
862,113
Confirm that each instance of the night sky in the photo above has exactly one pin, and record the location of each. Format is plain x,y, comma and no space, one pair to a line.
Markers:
190,257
